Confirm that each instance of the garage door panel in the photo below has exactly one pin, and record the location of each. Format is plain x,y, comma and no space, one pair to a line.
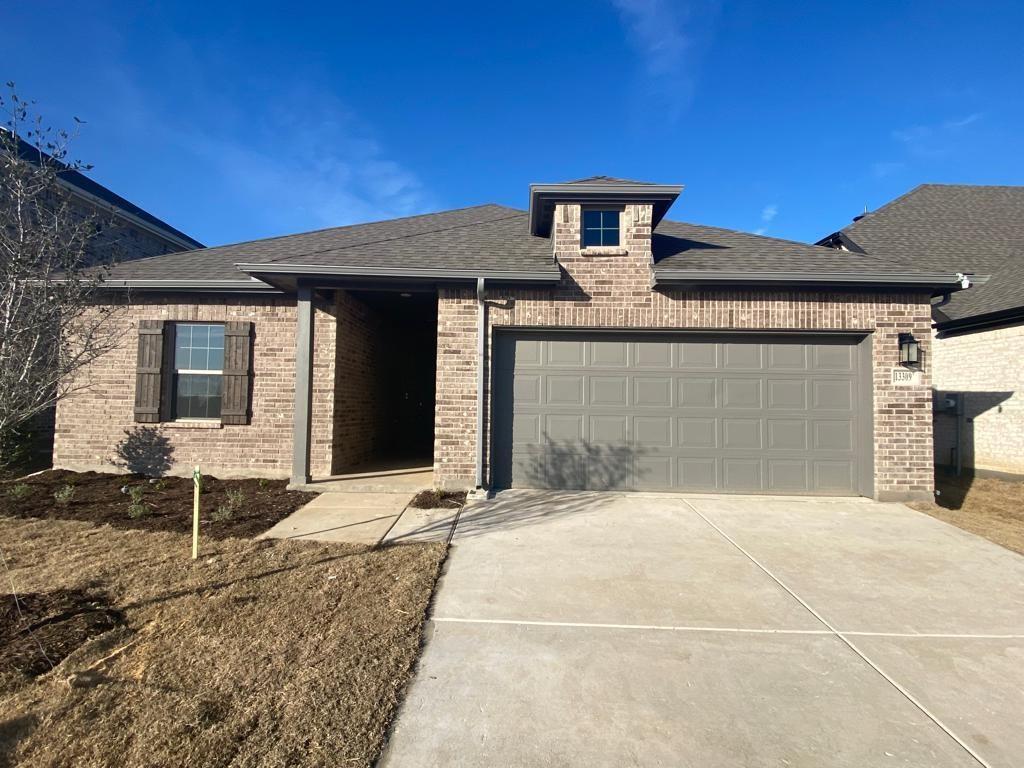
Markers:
609,429
664,412
564,390
741,393
697,355
787,394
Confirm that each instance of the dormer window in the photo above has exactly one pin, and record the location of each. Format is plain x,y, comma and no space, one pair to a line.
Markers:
600,228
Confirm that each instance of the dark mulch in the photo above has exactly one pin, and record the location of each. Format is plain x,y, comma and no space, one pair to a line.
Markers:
40,629
99,498
436,499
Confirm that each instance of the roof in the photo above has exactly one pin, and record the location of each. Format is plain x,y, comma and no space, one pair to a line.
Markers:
598,190
954,227
494,241
96,192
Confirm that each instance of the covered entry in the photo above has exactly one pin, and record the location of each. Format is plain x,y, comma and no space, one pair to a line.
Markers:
737,413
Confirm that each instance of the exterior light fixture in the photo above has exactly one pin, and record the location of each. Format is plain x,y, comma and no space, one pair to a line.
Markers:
910,350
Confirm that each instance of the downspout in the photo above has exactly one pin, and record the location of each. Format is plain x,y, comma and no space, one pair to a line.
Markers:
481,350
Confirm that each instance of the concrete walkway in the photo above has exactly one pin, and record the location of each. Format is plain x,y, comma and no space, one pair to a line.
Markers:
355,518
643,630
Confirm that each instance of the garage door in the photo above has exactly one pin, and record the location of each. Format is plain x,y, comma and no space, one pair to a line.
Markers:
722,413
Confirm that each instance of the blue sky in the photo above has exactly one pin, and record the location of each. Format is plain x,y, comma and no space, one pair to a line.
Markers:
234,122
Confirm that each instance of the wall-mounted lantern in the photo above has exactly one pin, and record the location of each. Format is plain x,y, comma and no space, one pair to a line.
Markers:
910,350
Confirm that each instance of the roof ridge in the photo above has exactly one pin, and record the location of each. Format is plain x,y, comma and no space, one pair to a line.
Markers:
406,236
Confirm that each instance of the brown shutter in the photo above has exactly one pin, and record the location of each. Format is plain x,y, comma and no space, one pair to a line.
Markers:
234,407
149,371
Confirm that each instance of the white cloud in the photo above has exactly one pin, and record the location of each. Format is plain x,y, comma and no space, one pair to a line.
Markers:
659,30
760,231
769,212
932,139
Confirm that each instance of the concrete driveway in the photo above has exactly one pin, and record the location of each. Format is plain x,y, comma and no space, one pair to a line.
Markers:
603,629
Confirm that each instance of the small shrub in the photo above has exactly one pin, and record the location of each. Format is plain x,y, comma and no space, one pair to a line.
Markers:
263,483
235,497
136,492
19,491
223,513
160,484
64,494
137,510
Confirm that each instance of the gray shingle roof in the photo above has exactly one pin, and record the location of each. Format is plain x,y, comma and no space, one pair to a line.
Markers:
493,238
955,227
609,180
678,245
483,237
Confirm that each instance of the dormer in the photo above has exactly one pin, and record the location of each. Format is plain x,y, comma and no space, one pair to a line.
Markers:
599,216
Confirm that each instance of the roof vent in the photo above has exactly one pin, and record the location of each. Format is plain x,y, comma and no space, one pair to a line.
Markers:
860,216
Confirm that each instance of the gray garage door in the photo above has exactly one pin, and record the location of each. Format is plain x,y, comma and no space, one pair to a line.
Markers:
741,414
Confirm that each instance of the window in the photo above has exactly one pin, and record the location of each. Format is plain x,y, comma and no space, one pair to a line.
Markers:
600,228
198,370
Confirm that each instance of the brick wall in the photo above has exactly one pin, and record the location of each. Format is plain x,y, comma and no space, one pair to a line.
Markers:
985,370
356,381
93,422
611,290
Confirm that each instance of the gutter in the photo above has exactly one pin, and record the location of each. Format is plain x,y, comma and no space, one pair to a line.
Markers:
950,281
176,284
441,273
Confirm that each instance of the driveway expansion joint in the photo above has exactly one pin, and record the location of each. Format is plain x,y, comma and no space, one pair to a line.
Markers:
845,639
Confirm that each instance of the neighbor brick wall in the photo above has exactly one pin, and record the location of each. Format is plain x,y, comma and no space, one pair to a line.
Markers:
612,291
92,422
986,369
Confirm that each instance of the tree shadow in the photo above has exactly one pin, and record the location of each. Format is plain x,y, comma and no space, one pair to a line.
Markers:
13,731
144,451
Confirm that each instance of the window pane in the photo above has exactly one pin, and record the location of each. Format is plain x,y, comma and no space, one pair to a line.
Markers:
610,219
200,335
216,336
199,361
591,219
611,237
591,237
216,360
198,396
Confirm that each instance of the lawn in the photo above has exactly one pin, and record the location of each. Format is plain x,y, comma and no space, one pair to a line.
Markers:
987,506
260,653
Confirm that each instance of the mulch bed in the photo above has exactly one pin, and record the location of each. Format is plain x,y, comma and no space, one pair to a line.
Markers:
39,630
166,503
436,499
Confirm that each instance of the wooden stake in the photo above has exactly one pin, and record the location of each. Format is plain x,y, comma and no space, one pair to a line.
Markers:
196,481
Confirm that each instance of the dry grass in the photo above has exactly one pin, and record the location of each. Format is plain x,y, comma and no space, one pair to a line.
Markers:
986,506
258,654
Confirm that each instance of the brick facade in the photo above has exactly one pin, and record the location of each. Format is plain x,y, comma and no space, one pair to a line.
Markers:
611,289
985,370
94,422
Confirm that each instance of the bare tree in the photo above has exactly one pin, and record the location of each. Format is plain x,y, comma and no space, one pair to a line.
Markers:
52,324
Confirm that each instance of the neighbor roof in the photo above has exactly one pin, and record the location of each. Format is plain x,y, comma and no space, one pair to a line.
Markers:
96,192
494,241
953,227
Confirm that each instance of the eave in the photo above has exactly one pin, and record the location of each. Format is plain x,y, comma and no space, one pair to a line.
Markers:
936,283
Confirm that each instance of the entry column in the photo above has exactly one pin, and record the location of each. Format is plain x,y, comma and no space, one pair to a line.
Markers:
303,386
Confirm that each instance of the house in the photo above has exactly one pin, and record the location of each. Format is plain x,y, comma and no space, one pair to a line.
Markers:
588,342
979,334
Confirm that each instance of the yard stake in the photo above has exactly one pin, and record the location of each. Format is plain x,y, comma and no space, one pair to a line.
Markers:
195,512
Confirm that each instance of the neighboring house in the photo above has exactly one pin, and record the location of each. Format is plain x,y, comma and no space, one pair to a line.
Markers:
585,343
977,355
124,232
